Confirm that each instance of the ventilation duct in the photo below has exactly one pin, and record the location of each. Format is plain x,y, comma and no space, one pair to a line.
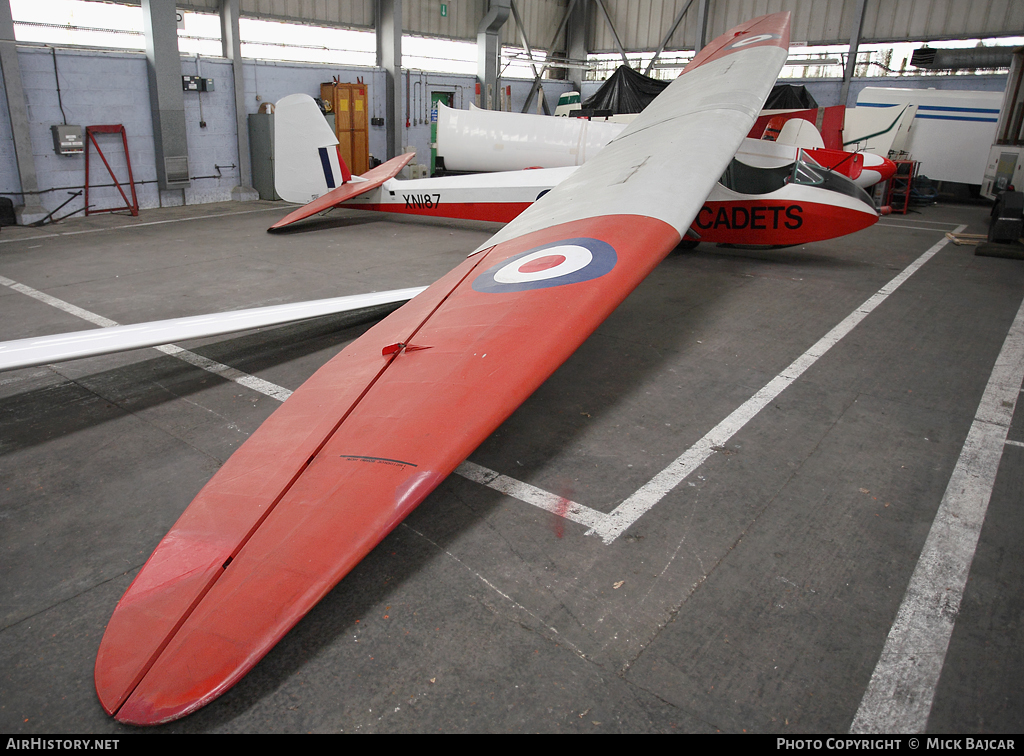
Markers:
966,57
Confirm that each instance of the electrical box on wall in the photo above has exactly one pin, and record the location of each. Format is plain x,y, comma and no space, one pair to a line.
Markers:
196,84
67,140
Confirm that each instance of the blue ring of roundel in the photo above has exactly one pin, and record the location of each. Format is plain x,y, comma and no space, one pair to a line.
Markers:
602,262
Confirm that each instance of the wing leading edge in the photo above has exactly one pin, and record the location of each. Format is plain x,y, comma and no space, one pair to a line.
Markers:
363,442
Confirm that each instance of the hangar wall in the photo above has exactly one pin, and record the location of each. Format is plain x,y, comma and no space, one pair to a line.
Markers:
99,87
104,86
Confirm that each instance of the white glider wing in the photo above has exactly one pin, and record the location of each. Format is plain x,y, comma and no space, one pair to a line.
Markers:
44,350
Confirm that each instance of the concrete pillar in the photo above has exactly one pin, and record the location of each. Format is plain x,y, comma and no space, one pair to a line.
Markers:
167,100
576,42
488,51
389,57
31,210
232,50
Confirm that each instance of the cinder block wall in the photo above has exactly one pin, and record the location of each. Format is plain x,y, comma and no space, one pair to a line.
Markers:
108,87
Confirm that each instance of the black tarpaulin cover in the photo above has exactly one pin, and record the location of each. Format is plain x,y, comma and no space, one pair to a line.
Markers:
629,91
626,91
790,97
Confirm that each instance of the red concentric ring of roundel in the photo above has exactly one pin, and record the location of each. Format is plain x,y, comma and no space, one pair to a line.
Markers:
556,264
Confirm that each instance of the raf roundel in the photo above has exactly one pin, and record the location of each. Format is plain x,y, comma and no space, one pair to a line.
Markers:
757,39
563,262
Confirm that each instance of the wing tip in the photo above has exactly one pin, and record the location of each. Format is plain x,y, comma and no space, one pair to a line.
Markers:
773,30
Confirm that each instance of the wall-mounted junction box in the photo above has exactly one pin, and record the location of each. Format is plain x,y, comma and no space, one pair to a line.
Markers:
67,140
196,84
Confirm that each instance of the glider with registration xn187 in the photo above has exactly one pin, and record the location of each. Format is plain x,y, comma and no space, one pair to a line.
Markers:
362,442
771,194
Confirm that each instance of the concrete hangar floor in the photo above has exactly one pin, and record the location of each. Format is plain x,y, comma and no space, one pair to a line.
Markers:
759,592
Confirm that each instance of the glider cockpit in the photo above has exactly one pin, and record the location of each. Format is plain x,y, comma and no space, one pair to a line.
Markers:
743,178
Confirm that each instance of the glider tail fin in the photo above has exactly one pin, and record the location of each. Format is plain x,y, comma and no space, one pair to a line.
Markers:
307,161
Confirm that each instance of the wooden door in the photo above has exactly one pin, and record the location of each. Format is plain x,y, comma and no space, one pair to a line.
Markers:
348,102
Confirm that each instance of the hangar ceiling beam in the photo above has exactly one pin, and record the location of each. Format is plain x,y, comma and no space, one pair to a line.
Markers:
30,210
529,54
551,47
166,98
703,11
388,25
668,36
232,50
615,34
851,59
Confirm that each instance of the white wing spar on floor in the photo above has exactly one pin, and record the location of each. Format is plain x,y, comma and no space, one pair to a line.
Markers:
43,350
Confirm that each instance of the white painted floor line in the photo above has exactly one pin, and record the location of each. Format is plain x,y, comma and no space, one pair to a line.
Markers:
243,379
538,497
899,697
136,225
921,220
661,484
229,373
1015,443
907,225
60,304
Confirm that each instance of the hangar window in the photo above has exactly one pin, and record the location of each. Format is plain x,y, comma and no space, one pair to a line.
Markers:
108,25
75,22
275,40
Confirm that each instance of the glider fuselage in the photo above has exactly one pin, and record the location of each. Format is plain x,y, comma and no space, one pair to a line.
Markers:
753,206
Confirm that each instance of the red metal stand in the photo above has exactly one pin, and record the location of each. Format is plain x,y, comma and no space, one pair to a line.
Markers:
115,128
898,193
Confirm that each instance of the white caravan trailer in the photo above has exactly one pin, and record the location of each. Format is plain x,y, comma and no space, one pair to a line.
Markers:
950,133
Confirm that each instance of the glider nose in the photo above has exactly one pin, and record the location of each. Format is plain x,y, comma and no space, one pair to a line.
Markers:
877,169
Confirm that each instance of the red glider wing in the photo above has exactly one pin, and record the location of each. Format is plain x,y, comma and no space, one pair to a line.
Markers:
364,440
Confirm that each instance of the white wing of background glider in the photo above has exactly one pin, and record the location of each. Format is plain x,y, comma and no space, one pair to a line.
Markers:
43,350
492,140
306,160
